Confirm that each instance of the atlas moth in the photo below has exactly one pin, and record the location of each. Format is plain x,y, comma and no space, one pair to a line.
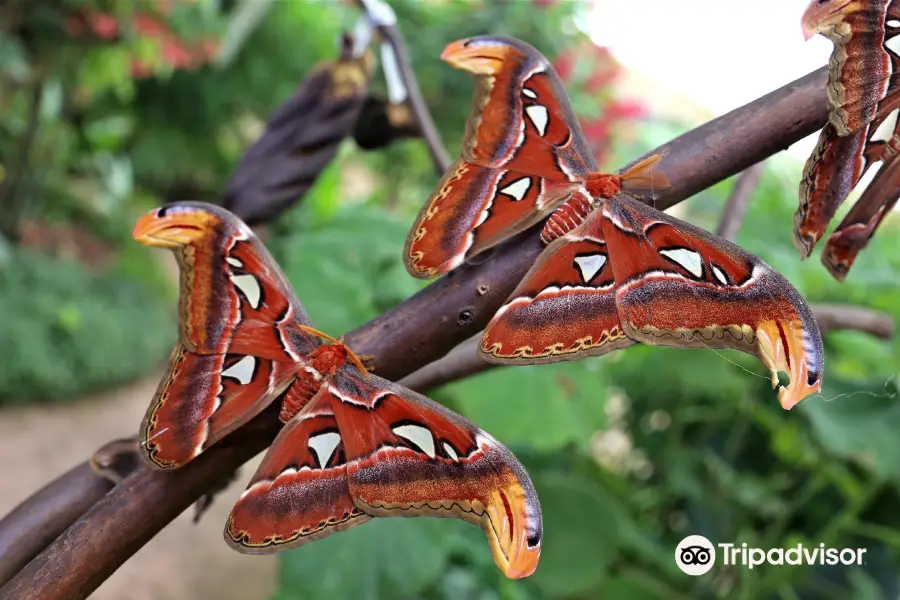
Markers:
615,271
354,446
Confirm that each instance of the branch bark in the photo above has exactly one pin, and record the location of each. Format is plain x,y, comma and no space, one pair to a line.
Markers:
412,334
39,520
459,363
835,316
739,200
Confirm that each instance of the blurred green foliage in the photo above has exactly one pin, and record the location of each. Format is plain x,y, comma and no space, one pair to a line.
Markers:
68,330
629,452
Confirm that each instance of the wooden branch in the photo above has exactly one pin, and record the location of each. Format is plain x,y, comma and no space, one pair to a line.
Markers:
741,138
459,363
836,316
739,200
418,331
39,520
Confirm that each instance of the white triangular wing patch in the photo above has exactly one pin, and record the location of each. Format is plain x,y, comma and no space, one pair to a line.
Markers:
518,188
250,287
589,265
539,116
324,445
689,259
242,370
885,131
418,435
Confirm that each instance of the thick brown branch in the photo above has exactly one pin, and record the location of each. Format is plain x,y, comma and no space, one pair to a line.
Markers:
39,520
412,334
745,136
738,201
836,316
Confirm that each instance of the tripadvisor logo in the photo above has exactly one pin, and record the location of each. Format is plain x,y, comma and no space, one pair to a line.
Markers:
696,555
743,555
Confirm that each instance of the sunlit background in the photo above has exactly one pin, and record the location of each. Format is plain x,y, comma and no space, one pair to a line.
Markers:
718,54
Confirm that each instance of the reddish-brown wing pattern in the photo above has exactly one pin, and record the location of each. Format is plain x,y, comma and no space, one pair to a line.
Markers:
630,274
355,446
522,157
862,129
367,447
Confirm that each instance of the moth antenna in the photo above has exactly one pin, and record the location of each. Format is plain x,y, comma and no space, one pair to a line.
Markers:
340,342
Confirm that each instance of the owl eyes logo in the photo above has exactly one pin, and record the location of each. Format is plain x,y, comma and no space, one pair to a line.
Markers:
695,555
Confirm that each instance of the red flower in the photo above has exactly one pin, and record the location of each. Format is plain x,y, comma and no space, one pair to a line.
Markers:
175,52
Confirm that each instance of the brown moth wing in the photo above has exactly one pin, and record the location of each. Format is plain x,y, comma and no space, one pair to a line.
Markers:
300,491
228,283
860,67
522,148
521,118
879,197
366,447
203,398
473,209
678,285
831,172
237,329
858,227
565,306
409,456
862,126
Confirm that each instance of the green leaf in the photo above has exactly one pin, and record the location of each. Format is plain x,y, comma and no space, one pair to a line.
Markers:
76,330
581,533
621,588
864,586
860,424
545,407
109,133
384,558
346,266
106,69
